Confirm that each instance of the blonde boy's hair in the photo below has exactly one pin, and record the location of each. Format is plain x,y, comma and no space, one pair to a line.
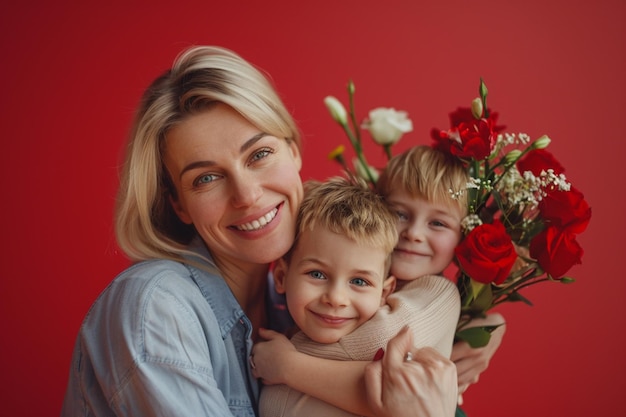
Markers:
349,209
428,173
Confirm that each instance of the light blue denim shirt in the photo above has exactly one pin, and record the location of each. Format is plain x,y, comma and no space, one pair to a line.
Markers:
163,339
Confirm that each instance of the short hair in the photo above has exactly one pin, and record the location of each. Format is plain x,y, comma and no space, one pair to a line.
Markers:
429,173
146,225
350,209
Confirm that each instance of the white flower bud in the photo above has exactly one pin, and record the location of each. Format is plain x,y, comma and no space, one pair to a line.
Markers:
336,109
512,156
362,171
477,108
386,125
542,142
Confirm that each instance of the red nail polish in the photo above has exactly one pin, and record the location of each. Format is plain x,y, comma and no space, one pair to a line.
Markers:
379,354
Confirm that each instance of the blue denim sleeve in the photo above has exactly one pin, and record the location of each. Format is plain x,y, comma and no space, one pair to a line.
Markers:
172,373
153,344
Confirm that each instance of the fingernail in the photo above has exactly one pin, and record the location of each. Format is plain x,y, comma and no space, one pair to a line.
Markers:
379,354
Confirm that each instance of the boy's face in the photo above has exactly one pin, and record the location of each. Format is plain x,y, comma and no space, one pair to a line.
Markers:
332,284
427,236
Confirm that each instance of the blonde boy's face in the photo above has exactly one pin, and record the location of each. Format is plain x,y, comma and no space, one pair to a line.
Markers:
332,284
428,234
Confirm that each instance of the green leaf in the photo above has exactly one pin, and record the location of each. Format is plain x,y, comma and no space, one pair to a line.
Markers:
567,280
459,412
476,288
483,299
516,296
477,336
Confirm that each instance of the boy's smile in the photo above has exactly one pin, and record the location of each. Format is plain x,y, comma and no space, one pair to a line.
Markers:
332,283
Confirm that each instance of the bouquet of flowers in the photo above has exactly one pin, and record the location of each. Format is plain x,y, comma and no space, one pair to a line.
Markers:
524,216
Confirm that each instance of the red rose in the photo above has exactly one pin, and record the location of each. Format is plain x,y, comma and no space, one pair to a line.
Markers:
556,251
461,115
566,210
468,138
487,253
539,160
465,115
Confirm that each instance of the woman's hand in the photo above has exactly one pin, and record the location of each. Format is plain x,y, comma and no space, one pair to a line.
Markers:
424,386
471,362
270,359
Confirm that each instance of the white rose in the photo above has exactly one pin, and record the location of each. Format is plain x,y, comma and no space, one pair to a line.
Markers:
387,125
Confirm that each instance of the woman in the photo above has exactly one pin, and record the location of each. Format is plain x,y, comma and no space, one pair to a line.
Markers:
207,200
208,195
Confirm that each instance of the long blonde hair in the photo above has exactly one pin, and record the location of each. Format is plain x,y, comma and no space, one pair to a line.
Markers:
145,224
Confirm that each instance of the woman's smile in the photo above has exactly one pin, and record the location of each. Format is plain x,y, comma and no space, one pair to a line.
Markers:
259,223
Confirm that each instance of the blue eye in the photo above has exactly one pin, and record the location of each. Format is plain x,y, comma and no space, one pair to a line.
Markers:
261,154
316,275
402,216
437,223
204,179
360,282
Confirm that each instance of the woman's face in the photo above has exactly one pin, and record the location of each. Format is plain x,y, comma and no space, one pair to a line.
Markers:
238,186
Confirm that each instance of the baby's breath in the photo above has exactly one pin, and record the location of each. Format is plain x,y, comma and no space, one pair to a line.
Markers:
456,194
497,193
470,222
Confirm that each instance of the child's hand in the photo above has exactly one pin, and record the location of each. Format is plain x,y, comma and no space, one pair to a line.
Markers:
270,359
471,362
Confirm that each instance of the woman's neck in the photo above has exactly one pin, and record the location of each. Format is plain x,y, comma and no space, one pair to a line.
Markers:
249,285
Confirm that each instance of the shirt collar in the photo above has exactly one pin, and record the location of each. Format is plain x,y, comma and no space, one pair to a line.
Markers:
214,289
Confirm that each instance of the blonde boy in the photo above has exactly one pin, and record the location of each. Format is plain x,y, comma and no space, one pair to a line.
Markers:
429,306
426,189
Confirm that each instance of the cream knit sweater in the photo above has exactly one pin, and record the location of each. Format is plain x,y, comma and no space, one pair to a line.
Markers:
430,306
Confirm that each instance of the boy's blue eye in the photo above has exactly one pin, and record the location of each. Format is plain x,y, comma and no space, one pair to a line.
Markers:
437,223
316,275
359,282
401,215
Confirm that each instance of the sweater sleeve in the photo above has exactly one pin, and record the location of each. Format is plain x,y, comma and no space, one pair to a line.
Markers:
429,305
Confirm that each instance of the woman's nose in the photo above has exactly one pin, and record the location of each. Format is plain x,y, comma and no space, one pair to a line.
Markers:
245,191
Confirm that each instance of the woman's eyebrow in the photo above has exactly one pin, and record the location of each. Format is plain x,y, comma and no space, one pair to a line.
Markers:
254,139
202,164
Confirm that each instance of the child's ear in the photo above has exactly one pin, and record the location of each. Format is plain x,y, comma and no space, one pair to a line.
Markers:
389,285
280,272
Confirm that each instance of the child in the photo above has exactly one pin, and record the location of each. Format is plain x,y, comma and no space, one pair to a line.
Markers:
428,221
426,189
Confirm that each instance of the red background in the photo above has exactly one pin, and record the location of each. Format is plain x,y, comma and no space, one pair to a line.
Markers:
72,73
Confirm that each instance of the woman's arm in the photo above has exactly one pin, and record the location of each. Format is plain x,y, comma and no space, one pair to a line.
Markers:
424,386
429,306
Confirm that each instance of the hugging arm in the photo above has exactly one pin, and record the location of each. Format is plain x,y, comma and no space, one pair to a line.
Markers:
340,383
426,386
471,362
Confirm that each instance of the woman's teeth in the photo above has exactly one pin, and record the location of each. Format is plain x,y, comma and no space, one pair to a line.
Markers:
258,223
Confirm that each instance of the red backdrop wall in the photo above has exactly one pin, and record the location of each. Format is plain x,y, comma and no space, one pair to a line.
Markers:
72,73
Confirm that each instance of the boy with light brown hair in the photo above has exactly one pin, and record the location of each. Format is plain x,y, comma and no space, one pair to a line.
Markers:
429,306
